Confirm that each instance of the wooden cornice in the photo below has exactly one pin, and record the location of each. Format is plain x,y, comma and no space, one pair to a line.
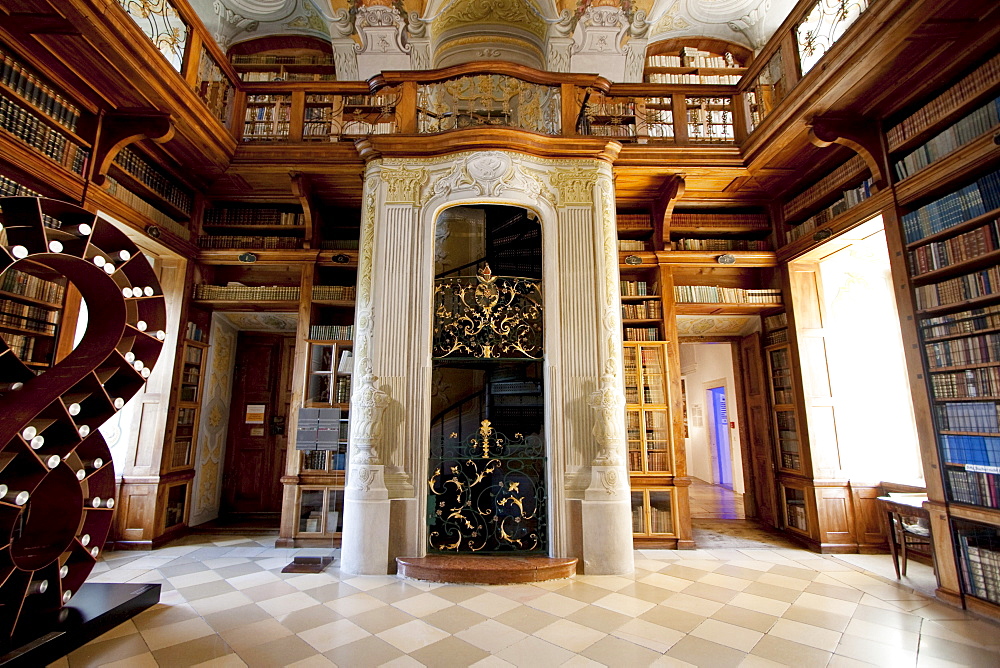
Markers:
478,139
490,67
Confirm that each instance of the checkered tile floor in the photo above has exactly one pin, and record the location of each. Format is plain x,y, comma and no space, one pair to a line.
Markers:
225,602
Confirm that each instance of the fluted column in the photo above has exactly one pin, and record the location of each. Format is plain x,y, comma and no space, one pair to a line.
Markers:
607,508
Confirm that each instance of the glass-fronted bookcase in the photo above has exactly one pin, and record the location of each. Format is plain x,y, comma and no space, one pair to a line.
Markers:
650,439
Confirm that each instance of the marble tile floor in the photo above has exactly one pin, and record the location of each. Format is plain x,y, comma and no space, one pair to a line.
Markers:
225,602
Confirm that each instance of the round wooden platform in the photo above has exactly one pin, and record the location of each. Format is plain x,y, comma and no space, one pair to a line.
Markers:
484,570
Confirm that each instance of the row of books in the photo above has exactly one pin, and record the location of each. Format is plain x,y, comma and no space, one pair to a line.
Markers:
958,289
315,460
251,77
971,450
775,321
31,131
717,79
194,332
714,294
973,487
634,221
22,345
249,216
660,520
982,560
19,283
269,111
954,208
192,355
339,292
637,288
721,245
967,246
642,334
834,179
721,221
246,292
791,461
267,59
979,122
11,188
795,514
980,417
610,130
849,198
331,332
980,349
981,382
139,205
267,131
342,391
150,176
981,79
37,92
963,322
642,310
776,337
605,107
338,244
248,241
26,316
632,245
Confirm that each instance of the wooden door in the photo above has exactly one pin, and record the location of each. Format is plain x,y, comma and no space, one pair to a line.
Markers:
256,443
761,501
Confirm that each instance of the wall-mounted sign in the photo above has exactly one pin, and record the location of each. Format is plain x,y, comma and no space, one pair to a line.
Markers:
254,414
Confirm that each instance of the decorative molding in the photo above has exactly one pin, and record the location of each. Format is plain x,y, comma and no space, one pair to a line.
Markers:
609,428
368,404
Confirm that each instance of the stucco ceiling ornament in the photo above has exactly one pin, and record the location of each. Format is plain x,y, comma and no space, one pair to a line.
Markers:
515,13
669,21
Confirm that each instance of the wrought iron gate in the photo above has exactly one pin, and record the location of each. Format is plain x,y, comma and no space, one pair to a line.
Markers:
487,493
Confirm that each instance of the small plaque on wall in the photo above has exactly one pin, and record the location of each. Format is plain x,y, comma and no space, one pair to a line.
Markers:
257,431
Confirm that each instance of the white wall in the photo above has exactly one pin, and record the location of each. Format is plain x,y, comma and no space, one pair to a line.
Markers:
703,363
217,374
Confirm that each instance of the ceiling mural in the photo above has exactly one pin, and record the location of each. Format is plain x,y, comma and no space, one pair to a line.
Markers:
716,325
263,322
748,22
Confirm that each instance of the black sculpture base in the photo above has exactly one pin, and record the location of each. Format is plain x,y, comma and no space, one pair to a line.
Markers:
96,609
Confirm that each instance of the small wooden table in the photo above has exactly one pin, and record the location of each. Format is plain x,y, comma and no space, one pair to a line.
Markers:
914,531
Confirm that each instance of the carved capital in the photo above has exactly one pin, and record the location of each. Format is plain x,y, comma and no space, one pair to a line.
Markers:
403,185
575,187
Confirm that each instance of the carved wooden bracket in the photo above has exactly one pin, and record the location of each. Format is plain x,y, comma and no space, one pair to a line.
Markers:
861,135
303,190
663,206
120,128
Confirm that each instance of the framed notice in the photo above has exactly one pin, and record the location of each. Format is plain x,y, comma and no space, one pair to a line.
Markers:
254,414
